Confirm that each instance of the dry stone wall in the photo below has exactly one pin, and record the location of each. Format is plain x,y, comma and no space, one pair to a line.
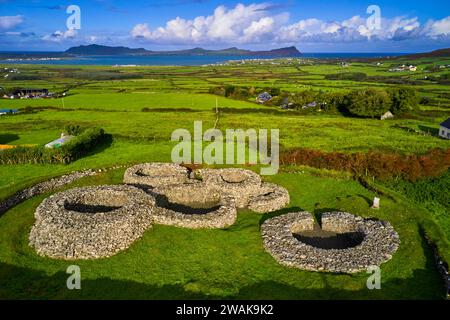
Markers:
194,206
379,243
91,222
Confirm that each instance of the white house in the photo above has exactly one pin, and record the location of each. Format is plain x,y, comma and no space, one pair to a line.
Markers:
59,142
444,130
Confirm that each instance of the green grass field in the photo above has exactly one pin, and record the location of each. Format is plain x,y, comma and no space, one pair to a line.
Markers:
171,263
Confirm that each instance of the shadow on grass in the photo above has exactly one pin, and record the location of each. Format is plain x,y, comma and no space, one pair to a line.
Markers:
8,137
277,213
105,143
23,283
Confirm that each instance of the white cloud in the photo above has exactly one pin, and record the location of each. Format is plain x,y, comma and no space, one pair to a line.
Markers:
438,28
255,23
59,36
10,22
239,24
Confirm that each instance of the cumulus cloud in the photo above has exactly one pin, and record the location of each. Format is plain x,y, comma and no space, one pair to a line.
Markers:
10,22
438,28
239,24
254,23
59,36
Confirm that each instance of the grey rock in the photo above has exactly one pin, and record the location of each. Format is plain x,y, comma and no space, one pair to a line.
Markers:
379,243
91,222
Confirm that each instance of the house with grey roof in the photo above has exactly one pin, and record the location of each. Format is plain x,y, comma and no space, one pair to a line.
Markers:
444,130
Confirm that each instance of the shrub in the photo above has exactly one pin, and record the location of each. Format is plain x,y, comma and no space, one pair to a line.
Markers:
84,142
73,130
352,76
403,100
377,164
368,103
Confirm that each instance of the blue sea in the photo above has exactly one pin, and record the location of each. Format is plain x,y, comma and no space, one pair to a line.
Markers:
167,60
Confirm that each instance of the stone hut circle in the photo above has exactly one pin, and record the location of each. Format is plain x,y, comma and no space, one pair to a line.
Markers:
194,206
293,241
156,174
271,197
91,222
99,222
241,184
245,186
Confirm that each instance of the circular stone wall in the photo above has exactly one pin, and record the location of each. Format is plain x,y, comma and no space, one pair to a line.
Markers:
240,183
271,197
91,222
194,206
156,174
377,243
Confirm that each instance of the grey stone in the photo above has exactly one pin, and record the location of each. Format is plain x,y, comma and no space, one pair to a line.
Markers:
91,222
194,206
271,197
156,174
379,243
241,184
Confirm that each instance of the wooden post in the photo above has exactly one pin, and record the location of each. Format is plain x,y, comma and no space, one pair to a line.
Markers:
217,114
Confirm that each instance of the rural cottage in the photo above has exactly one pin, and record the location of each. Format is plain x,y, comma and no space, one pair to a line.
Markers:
444,130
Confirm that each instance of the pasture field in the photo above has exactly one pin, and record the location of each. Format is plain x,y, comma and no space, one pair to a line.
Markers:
141,106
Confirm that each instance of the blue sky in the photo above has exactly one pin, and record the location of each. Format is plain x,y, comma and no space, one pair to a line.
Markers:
312,26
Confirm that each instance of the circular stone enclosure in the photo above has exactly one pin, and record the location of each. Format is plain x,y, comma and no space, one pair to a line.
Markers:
345,243
156,174
194,206
271,197
91,222
239,183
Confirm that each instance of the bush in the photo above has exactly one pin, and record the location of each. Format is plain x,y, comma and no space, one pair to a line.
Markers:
73,130
368,103
351,76
84,142
403,100
304,97
381,165
241,93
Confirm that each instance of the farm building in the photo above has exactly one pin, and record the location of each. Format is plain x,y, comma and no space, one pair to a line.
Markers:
444,130
404,68
31,93
263,97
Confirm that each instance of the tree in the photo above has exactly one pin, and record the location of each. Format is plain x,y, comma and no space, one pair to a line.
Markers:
368,103
403,100
304,97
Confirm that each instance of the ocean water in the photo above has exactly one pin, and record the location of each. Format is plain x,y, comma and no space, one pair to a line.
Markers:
176,60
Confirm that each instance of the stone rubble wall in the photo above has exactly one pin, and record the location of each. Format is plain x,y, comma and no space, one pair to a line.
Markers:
66,229
379,244
241,184
223,214
339,222
156,174
65,234
244,185
43,187
271,197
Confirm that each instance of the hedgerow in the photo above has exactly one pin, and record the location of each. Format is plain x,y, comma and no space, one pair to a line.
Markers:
383,166
74,149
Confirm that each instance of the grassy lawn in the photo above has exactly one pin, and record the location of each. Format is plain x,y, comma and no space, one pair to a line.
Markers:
171,263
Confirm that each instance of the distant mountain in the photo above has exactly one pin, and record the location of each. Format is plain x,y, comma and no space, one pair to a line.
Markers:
433,54
95,49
